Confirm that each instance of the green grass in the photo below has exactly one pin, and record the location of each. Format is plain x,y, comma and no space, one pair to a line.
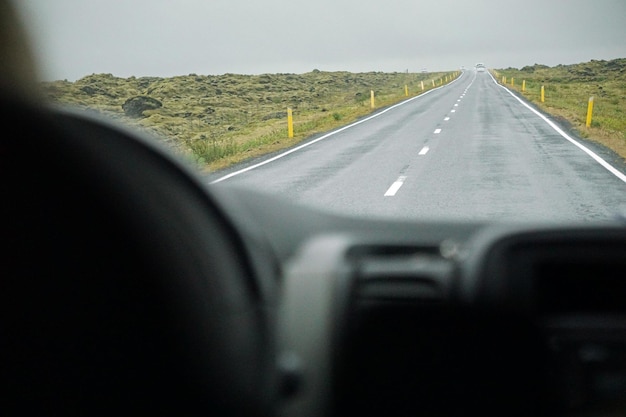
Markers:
567,92
219,120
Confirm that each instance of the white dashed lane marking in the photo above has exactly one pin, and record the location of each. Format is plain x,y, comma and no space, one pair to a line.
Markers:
395,187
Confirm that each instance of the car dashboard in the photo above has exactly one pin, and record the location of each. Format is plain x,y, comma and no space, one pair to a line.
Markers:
399,318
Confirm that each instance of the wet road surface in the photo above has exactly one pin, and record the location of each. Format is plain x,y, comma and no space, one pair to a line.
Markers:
468,150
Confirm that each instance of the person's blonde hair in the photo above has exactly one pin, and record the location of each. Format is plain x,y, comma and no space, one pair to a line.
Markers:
18,73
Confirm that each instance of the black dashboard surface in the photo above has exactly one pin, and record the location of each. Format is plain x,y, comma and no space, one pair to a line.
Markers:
442,317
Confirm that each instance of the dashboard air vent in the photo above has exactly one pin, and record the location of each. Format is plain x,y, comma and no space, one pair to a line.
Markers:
408,273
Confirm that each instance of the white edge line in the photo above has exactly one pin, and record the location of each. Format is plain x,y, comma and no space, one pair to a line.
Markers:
560,131
395,187
267,161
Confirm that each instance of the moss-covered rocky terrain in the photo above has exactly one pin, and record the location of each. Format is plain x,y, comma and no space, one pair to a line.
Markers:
567,89
218,120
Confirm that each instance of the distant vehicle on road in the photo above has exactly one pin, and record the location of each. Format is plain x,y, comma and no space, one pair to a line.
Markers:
480,67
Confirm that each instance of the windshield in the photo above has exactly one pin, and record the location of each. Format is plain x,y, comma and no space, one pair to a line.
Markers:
367,108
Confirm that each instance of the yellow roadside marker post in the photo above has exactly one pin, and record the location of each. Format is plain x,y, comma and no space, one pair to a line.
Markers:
290,123
589,111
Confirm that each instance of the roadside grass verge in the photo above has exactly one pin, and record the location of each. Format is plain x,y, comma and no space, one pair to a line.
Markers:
567,91
217,121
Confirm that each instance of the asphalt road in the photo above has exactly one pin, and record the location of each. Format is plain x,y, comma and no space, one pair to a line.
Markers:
468,150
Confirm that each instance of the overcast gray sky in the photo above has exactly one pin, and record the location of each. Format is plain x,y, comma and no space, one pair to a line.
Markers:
75,38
